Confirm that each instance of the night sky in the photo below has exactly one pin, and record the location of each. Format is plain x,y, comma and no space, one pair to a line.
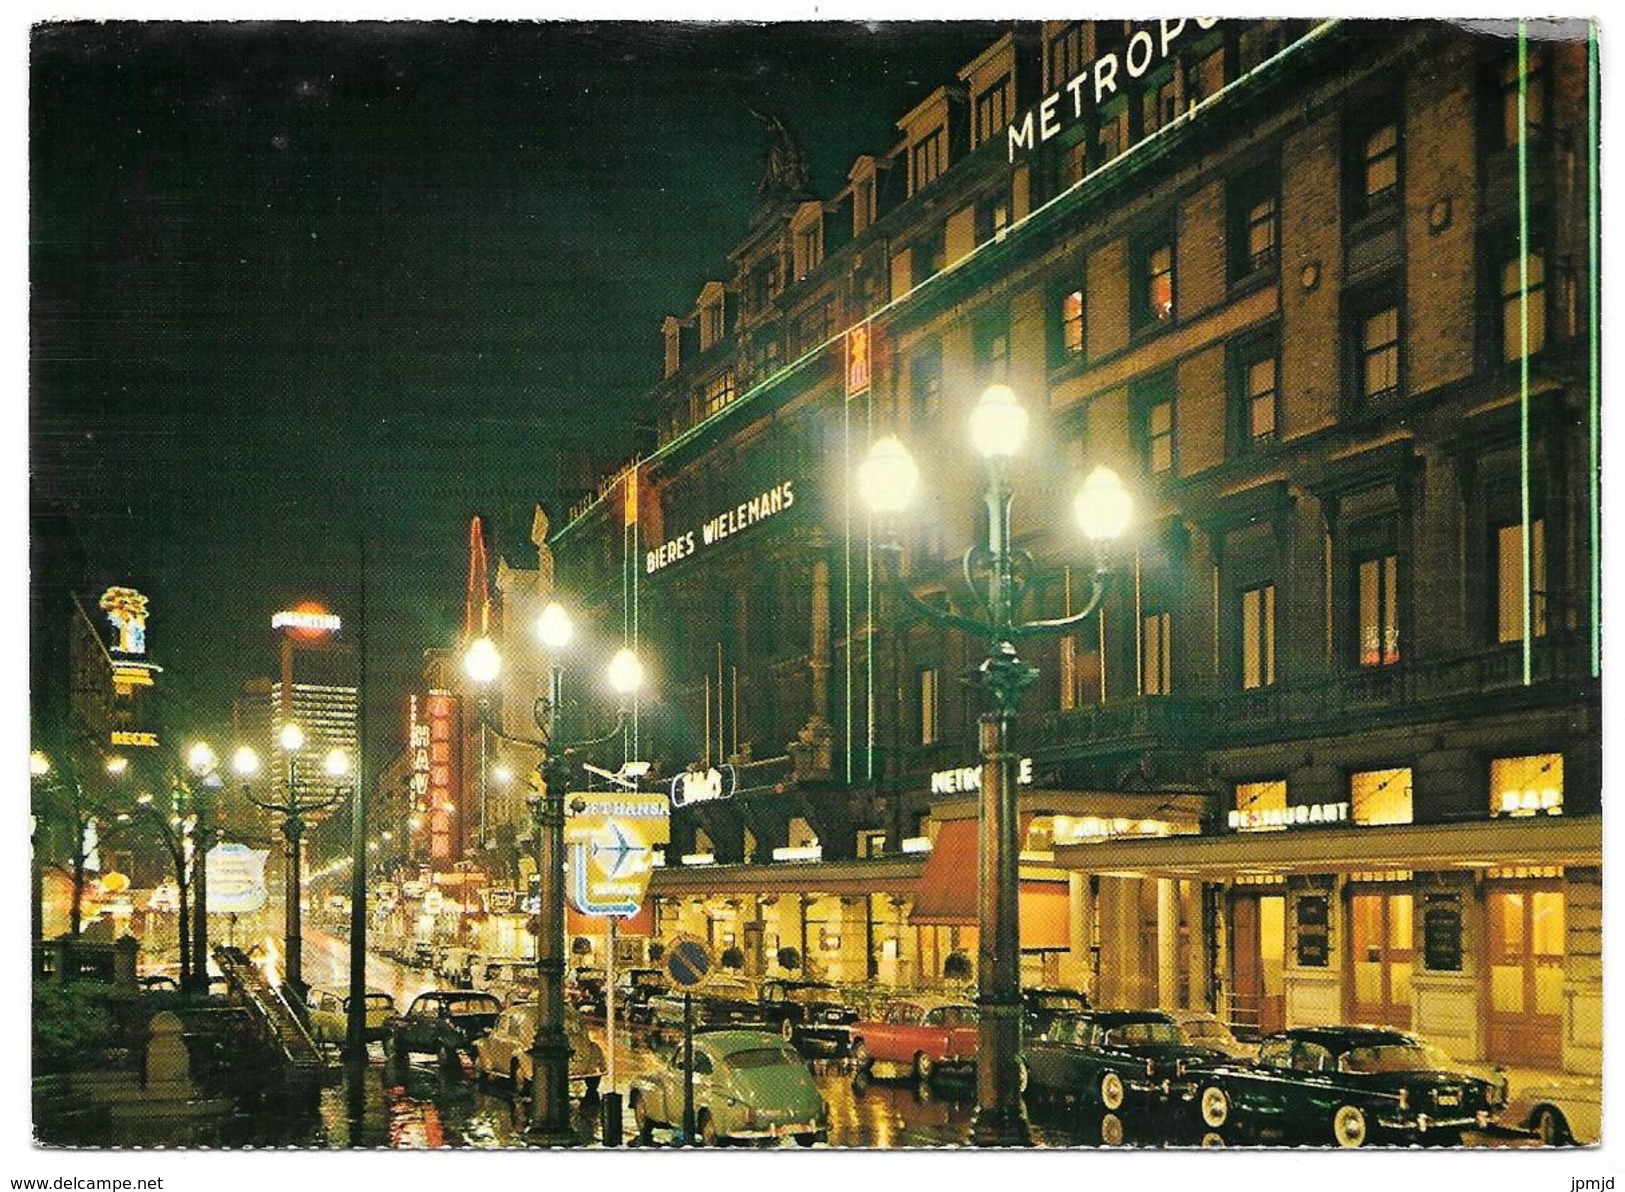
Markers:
296,284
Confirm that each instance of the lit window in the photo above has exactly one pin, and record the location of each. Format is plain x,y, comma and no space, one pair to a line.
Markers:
1534,97
1261,400
1379,350
718,393
929,727
1380,796
1381,166
1072,324
1524,786
926,162
1261,233
1160,282
1065,56
993,110
1515,308
1254,800
1378,610
1080,673
1510,586
1156,654
1159,438
1258,636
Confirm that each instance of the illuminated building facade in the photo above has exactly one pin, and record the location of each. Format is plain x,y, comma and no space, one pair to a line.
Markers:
1322,295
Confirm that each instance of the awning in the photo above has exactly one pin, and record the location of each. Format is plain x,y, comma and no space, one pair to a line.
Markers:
947,891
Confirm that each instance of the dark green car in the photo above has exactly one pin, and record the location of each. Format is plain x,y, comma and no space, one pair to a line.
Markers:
1111,1057
1349,1085
445,1024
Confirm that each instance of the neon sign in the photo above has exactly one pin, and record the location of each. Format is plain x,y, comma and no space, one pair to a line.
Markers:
127,610
1291,816
309,620
967,779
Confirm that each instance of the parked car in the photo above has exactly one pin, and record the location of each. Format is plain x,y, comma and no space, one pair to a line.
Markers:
1201,1029
329,1016
455,965
722,999
421,955
1351,1085
1111,1057
507,979
1038,1006
813,1015
747,1085
444,1023
505,1051
584,989
636,989
918,1034
1560,1112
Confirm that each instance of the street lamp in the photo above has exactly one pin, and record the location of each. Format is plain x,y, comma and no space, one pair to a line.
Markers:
550,1049
997,573
293,809
201,760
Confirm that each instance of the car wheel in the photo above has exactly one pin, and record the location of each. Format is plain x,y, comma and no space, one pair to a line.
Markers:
450,1061
1551,1127
1112,1092
1023,1077
640,1115
514,1079
1215,1106
706,1128
1348,1126
862,1061
923,1067
1212,1140
1111,1130
787,1029
810,1139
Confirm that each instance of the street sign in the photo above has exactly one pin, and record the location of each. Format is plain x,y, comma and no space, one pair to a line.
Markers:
688,960
612,836
236,879
701,786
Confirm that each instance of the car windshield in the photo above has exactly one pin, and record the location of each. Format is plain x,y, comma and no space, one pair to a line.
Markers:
648,980
1060,1001
1393,1057
810,994
472,1006
1132,1033
1206,1028
761,1057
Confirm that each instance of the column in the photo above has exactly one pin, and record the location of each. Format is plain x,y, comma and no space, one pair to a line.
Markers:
1167,942
1080,918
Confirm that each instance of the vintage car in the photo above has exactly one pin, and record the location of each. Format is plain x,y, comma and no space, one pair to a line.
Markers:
747,1085
1350,1085
635,990
444,1023
1560,1112
1110,1057
584,989
722,999
918,1034
509,980
1199,1028
1038,1006
329,1016
812,1015
505,1052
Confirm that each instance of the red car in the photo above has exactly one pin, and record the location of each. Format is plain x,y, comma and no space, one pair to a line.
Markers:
918,1034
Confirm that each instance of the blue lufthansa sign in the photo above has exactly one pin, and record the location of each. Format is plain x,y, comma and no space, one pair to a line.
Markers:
688,960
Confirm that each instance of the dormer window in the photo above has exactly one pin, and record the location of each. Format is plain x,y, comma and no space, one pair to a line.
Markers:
993,110
712,316
808,241
927,159
673,332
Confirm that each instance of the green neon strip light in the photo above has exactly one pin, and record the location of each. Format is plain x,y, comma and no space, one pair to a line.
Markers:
1523,355
869,586
846,594
1596,368
1073,194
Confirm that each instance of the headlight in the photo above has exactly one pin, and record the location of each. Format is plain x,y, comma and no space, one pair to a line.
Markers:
1404,1098
1150,1067
1496,1094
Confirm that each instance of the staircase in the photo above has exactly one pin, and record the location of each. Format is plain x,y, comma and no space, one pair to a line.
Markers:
280,1025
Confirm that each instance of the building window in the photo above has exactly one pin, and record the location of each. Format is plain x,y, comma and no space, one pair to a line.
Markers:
1374,166
992,218
1159,103
992,346
1259,42
1153,290
1205,79
993,110
1112,135
925,381
1375,346
1534,88
1156,654
1377,610
1255,401
1262,401
1509,580
1065,56
1519,301
1380,797
1080,673
1524,786
1254,800
1154,401
863,205
1253,224
1069,314
927,160
1258,636
930,726
718,393
930,254
809,250
711,325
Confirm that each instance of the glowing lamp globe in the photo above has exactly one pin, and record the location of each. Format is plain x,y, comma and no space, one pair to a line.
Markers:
38,764
337,763
245,761
554,627
201,758
998,424
625,672
888,476
482,662
1104,506
292,737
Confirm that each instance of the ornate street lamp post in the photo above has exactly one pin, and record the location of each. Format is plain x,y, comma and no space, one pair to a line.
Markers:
200,759
997,574
550,1050
293,810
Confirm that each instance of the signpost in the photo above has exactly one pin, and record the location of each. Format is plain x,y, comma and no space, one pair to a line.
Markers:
611,838
688,960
